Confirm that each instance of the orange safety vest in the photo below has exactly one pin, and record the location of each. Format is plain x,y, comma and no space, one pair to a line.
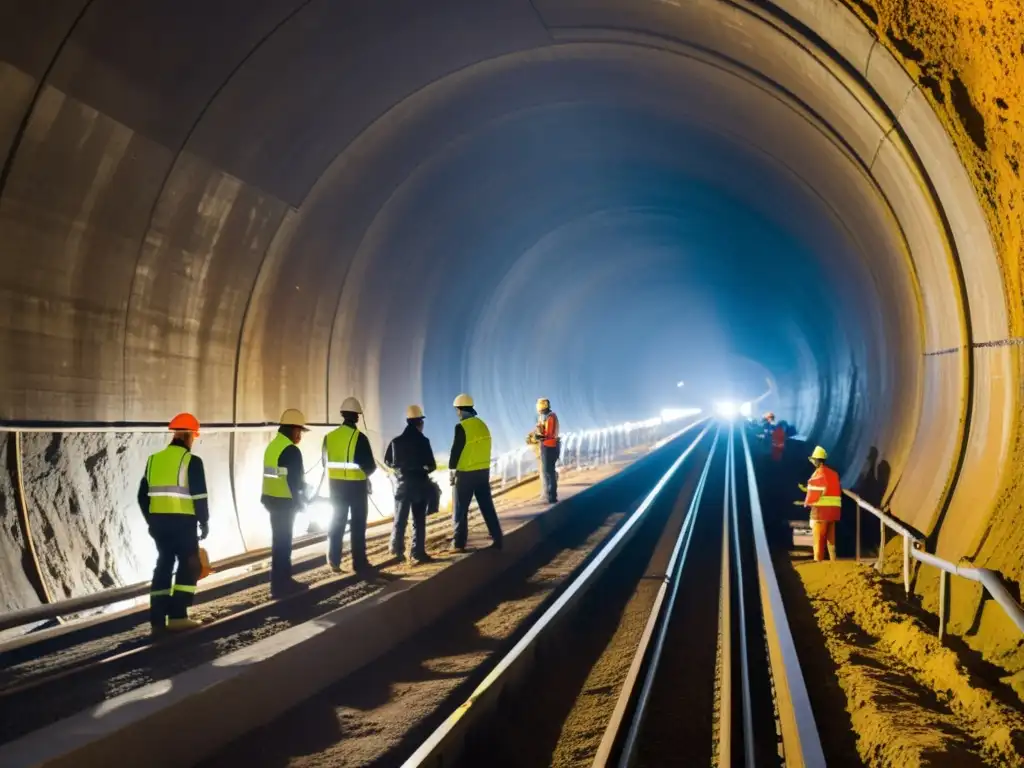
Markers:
548,431
824,495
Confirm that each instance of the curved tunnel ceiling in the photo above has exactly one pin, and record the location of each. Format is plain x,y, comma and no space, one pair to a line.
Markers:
240,207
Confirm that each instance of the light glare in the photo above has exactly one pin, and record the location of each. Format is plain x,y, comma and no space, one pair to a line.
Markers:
727,409
746,410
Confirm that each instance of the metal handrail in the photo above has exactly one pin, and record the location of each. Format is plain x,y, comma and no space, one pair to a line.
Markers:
913,547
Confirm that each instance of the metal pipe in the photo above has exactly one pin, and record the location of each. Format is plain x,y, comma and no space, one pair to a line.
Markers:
906,564
24,522
857,549
989,579
943,603
135,427
887,520
880,564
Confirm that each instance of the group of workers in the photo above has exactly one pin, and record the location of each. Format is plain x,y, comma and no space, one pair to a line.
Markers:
174,501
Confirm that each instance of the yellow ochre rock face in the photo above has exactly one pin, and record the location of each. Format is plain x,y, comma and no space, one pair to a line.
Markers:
968,58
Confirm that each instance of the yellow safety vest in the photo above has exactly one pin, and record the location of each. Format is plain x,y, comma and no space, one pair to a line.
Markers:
477,453
167,477
275,478
340,451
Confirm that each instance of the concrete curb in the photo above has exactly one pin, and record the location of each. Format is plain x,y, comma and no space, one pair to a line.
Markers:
157,725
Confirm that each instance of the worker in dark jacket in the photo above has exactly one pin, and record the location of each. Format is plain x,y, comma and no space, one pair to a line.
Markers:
470,467
349,461
173,499
412,458
284,495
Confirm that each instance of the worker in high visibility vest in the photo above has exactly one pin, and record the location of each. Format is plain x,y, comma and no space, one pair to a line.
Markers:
173,499
824,499
469,465
550,448
284,496
349,460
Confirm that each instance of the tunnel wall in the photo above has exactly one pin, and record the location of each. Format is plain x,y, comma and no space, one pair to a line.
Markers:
172,256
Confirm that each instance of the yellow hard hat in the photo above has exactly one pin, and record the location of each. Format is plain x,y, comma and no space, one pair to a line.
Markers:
351,405
463,401
819,453
543,403
292,417
414,412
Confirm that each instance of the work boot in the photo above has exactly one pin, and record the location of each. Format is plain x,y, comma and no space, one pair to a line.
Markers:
421,558
158,605
399,556
336,567
287,588
180,625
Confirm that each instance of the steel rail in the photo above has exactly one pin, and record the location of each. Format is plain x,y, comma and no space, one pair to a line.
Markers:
75,605
648,655
171,640
442,746
741,605
800,739
724,647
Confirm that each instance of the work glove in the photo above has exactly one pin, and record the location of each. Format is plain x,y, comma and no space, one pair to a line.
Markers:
451,477
204,531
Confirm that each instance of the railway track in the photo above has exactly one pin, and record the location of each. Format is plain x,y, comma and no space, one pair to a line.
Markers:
713,678
46,679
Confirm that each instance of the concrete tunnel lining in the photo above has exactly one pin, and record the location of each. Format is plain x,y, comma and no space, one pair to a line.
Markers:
174,239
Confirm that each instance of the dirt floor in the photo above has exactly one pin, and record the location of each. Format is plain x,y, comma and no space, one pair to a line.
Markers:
910,701
379,714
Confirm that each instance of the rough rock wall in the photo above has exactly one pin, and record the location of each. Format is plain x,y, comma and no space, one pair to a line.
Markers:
968,58
86,525
16,590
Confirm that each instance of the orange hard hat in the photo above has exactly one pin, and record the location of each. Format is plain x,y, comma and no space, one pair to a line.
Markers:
185,422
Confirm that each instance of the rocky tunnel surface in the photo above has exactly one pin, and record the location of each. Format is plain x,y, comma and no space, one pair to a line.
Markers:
238,207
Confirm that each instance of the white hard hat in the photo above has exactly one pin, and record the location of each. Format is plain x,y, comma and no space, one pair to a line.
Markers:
351,405
414,412
463,401
293,417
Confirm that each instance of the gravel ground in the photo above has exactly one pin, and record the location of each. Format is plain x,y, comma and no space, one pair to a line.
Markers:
64,697
582,666
378,715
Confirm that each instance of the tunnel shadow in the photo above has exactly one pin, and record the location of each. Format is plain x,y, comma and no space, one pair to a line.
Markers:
981,672
431,673
828,700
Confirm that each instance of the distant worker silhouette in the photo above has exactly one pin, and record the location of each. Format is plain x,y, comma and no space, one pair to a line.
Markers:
824,499
778,441
547,437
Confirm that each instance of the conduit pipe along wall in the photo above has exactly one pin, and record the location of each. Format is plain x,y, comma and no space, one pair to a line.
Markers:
237,208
